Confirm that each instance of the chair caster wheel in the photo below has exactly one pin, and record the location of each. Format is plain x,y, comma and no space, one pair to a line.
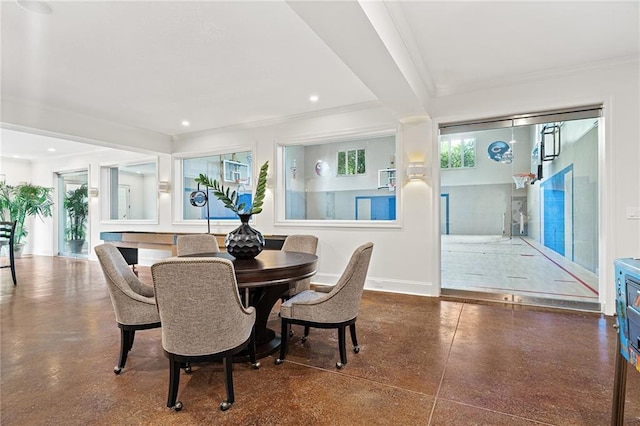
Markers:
177,407
339,365
117,370
356,349
303,339
290,333
278,361
187,369
224,406
256,365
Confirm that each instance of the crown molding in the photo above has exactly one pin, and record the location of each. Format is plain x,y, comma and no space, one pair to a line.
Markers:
537,76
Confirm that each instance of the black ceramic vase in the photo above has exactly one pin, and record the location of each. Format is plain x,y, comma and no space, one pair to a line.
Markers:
244,242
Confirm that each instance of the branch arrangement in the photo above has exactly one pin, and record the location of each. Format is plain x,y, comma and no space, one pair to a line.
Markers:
231,199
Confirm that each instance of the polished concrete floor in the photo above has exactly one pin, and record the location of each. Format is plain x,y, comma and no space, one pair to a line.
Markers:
423,361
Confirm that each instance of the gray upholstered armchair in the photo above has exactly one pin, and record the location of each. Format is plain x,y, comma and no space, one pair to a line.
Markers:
302,244
133,302
202,318
336,309
197,243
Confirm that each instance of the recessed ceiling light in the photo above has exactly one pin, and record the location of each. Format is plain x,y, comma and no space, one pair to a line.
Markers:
36,6
51,150
185,123
313,98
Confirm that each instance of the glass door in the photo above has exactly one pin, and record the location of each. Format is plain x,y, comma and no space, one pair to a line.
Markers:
521,206
74,214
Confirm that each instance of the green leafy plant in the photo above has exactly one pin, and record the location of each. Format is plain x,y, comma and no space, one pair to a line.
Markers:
24,200
77,206
231,199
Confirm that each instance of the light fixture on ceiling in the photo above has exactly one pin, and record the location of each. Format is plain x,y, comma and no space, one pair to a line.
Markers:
185,123
51,150
314,98
36,6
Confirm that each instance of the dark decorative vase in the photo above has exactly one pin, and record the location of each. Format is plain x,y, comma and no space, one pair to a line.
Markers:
244,242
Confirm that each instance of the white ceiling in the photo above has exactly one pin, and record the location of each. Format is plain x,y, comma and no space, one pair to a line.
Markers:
151,65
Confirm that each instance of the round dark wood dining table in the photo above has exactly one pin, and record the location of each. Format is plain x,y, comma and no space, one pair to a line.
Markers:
267,277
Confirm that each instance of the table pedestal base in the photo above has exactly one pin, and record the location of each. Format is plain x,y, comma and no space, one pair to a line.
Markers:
263,299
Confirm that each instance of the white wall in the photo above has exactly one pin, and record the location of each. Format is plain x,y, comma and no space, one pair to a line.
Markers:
617,87
15,170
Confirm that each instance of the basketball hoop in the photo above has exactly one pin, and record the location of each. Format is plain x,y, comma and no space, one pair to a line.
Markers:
521,179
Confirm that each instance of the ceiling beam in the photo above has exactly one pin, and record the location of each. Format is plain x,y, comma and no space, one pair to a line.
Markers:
370,45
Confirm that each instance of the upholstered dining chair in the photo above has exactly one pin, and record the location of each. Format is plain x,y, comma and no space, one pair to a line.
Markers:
336,309
133,302
7,238
202,318
303,244
197,243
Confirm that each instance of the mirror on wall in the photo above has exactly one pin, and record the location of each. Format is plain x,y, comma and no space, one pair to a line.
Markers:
129,191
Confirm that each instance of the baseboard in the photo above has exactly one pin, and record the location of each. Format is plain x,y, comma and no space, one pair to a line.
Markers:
418,288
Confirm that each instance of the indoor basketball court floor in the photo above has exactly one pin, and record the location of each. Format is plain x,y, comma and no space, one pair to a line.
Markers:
515,269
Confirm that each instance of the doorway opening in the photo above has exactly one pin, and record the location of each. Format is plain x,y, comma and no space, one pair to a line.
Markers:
521,216
74,214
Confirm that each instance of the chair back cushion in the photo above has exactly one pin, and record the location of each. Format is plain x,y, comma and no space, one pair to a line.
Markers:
199,306
198,243
339,305
302,244
133,302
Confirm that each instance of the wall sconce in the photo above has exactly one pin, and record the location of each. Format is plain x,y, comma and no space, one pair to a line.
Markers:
163,186
93,192
416,171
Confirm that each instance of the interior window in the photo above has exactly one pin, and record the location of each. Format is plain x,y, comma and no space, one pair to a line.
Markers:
233,170
346,179
130,191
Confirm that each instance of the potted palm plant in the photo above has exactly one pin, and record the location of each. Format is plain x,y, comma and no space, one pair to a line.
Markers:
77,207
243,242
21,201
